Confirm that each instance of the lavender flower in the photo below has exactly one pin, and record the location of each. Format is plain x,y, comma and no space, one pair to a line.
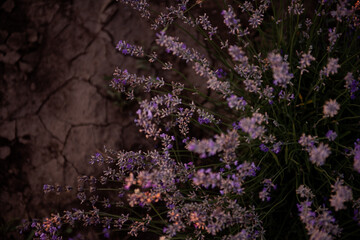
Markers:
286,96
296,7
351,84
246,7
356,153
48,188
236,102
332,38
277,147
319,224
201,64
265,192
237,54
331,135
356,206
267,93
331,108
132,50
204,116
231,21
331,68
280,70
319,154
173,12
123,78
220,73
183,119
98,158
305,192
256,19
231,184
140,5
342,194
263,148
174,174
252,85
341,11
226,143
177,48
252,125
305,61
206,25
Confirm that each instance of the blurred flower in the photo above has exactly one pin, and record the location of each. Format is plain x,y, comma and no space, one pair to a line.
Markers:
331,108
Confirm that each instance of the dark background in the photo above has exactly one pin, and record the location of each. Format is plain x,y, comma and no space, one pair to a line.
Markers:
56,59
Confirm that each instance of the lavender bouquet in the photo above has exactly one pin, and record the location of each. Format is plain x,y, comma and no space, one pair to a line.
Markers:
263,143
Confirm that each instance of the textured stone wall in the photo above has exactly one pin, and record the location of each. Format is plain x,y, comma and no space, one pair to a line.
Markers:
55,110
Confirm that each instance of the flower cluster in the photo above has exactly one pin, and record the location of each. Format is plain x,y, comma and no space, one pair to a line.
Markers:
253,126
232,183
351,84
267,129
342,194
265,192
280,70
126,48
331,108
140,5
319,154
320,224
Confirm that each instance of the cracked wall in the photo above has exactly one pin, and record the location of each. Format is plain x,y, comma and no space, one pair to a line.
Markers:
55,108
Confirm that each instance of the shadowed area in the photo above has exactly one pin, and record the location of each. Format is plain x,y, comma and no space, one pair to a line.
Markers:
56,58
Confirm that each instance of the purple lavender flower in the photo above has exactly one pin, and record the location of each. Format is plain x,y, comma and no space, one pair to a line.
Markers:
141,6
256,19
265,193
200,64
342,194
236,102
252,125
125,48
357,216
106,232
331,68
263,148
351,84
206,25
280,70
237,54
287,96
341,11
331,108
305,192
232,183
48,188
203,120
305,61
231,21
332,38
319,154
320,224
98,158
331,135
220,73
307,142
296,7
277,147
356,153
